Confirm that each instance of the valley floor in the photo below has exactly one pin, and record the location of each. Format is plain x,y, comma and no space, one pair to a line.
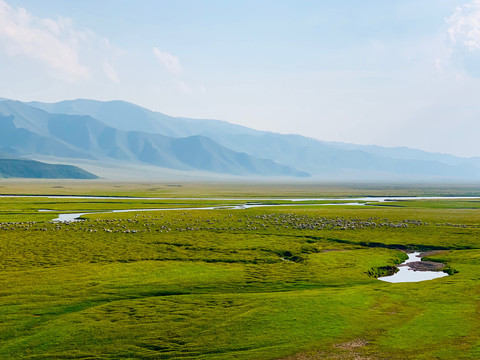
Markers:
262,283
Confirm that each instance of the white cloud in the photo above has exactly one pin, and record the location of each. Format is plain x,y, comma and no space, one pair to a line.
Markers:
53,42
465,25
110,72
171,62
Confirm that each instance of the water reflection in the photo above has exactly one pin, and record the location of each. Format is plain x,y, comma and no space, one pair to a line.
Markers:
407,274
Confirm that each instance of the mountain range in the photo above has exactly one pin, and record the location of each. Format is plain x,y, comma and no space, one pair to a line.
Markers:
94,133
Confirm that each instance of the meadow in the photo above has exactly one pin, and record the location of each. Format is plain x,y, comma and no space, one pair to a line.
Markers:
278,282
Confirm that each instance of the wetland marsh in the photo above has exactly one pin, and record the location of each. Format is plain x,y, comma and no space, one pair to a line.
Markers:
270,282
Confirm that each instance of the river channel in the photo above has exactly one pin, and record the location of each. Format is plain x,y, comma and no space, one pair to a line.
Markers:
405,273
250,202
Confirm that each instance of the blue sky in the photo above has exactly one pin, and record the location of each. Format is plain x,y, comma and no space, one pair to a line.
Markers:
391,73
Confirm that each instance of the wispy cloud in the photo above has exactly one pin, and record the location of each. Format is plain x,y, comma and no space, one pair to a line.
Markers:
53,42
171,62
465,25
110,72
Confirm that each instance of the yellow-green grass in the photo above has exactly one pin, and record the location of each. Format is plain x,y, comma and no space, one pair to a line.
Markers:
250,189
262,283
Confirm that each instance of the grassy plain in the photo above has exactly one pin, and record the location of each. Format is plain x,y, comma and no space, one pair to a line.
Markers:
288,282
250,189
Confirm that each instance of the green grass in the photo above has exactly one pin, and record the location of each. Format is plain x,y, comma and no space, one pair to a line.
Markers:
250,189
263,283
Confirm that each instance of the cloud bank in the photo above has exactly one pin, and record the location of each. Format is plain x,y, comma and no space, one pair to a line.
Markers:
56,45
53,42
465,25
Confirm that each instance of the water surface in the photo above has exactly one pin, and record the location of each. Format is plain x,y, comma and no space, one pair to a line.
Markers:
360,201
407,274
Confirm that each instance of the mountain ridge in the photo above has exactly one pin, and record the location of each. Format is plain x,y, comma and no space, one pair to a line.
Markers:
240,129
307,155
21,168
28,130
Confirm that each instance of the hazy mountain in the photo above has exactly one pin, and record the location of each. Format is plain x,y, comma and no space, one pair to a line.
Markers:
313,156
5,155
130,117
17,168
318,157
203,153
29,131
13,166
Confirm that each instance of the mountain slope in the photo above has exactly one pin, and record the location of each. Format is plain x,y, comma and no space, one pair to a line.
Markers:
319,157
130,117
202,152
313,156
5,155
28,131
18,168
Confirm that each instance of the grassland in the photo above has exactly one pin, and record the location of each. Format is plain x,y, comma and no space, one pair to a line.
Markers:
290,282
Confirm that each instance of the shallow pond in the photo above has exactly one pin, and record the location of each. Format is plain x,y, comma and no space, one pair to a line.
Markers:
407,274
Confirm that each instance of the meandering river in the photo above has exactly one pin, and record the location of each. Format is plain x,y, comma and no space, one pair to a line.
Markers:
405,273
250,202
